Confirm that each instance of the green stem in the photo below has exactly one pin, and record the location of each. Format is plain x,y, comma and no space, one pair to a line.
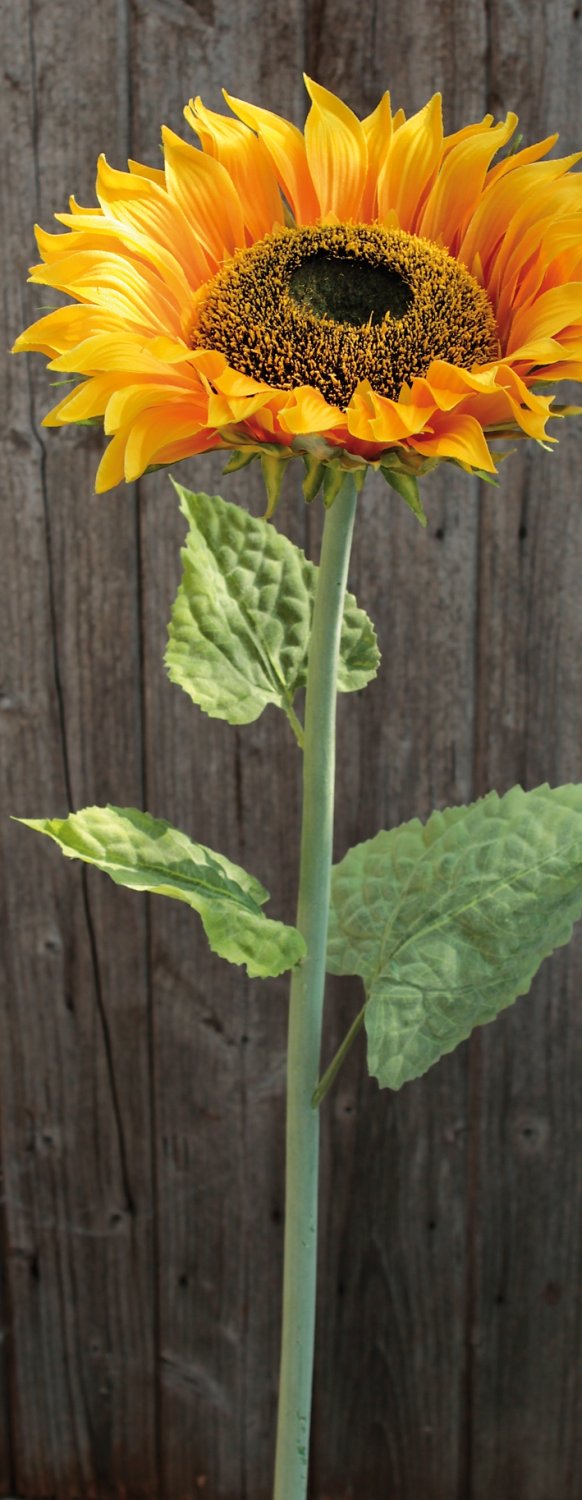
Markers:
331,1073
306,1004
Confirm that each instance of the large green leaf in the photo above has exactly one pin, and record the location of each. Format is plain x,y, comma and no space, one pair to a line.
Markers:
241,622
447,922
147,854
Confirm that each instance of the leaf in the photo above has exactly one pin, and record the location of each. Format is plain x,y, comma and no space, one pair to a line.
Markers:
273,471
241,622
147,854
448,922
314,477
407,487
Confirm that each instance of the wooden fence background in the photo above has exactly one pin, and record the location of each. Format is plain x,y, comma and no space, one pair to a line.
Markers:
142,1083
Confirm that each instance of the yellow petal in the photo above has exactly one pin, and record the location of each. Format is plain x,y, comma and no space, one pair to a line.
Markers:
307,411
285,146
460,437
128,402
224,410
151,432
336,152
205,193
121,350
512,203
523,158
121,239
148,207
377,419
377,129
84,401
549,315
413,159
135,293
458,186
111,468
248,165
63,329
153,174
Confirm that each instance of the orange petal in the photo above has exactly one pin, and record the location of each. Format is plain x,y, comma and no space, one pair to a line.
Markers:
248,165
285,146
203,189
336,152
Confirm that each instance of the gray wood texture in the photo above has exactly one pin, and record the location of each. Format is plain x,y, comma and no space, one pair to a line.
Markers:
141,1082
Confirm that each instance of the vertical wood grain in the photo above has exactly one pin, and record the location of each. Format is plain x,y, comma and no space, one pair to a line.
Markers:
142,1082
391,1377
220,1041
526,1116
75,1096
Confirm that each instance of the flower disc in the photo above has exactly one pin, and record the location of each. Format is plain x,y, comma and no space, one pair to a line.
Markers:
332,305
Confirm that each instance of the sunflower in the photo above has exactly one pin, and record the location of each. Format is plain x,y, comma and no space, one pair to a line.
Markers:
368,292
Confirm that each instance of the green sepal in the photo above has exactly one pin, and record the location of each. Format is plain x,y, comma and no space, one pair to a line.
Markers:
448,922
273,468
314,477
240,458
148,854
407,487
487,478
332,483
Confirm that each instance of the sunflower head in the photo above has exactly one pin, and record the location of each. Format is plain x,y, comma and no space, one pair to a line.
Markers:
365,292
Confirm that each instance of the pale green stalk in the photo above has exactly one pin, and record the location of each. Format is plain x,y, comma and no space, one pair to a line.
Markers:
306,1004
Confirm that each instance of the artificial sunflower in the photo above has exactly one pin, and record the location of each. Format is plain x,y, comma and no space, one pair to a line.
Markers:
362,292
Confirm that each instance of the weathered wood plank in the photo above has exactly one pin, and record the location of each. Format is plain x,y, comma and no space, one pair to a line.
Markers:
526,1120
220,1041
74,1055
449,1321
394,1266
526,1115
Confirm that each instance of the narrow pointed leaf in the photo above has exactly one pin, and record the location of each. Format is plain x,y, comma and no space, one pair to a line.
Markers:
314,477
147,854
241,622
448,922
273,469
407,487
332,483
240,458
